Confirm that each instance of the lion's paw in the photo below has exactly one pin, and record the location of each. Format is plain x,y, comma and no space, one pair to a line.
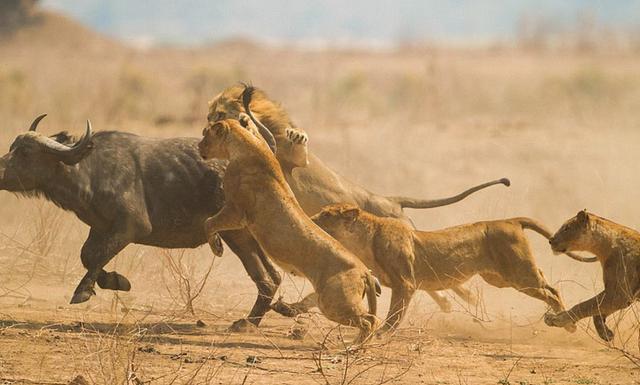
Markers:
558,320
296,136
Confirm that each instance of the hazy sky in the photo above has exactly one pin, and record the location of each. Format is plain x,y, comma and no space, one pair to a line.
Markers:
196,21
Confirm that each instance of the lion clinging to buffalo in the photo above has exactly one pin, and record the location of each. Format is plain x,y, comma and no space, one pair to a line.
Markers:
314,184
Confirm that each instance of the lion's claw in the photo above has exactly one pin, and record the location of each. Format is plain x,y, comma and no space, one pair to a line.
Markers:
296,136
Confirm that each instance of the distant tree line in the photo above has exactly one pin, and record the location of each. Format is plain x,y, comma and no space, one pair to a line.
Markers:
14,13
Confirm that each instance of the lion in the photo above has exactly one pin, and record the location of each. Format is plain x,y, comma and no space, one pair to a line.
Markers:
314,184
291,142
407,260
258,198
618,249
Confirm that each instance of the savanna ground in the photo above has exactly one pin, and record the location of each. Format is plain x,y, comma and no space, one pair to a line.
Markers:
427,121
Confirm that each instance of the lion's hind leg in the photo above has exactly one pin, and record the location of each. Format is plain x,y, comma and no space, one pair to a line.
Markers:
535,285
467,295
343,304
368,324
297,308
400,298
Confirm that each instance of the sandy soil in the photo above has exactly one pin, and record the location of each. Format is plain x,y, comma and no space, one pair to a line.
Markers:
44,341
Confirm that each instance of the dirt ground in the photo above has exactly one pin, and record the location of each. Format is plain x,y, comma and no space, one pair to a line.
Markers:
47,342
418,121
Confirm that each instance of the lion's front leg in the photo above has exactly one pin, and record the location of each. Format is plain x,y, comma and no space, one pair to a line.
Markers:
582,310
228,218
296,150
598,307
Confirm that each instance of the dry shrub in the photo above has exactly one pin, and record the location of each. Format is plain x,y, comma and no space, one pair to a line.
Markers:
186,279
370,364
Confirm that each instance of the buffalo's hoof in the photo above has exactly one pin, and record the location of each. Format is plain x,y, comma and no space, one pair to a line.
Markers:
113,281
82,296
215,242
242,326
605,333
571,328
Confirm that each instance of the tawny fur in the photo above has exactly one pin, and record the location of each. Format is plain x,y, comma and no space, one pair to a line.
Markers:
257,197
316,185
291,141
618,249
407,260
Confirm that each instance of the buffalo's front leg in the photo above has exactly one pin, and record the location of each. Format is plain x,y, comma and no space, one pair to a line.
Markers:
97,251
261,271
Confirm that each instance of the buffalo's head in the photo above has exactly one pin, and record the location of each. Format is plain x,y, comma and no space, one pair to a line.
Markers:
34,158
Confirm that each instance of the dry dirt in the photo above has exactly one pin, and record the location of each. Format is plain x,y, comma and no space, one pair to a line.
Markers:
422,121
46,342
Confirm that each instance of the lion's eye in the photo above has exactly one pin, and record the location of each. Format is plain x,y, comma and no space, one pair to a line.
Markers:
220,115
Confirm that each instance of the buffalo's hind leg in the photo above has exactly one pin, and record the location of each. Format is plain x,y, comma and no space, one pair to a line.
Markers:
96,252
261,271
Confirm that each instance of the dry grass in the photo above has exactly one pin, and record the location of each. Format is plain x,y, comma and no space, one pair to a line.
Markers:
417,121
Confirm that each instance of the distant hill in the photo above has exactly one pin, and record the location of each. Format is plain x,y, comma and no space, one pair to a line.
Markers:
363,21
50,31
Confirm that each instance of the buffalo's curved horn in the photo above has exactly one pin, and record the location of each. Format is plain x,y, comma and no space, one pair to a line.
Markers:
264,131
69,154
37,120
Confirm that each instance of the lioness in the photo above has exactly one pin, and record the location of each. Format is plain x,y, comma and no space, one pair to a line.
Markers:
257,197
618,250
408,260
316,185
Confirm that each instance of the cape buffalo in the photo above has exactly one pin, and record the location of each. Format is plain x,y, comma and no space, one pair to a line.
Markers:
131,189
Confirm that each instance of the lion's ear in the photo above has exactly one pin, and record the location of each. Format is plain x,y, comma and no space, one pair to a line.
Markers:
221,128
351,213
583,217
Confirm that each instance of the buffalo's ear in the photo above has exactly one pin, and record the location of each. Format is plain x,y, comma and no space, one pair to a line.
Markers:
583,217
63,137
